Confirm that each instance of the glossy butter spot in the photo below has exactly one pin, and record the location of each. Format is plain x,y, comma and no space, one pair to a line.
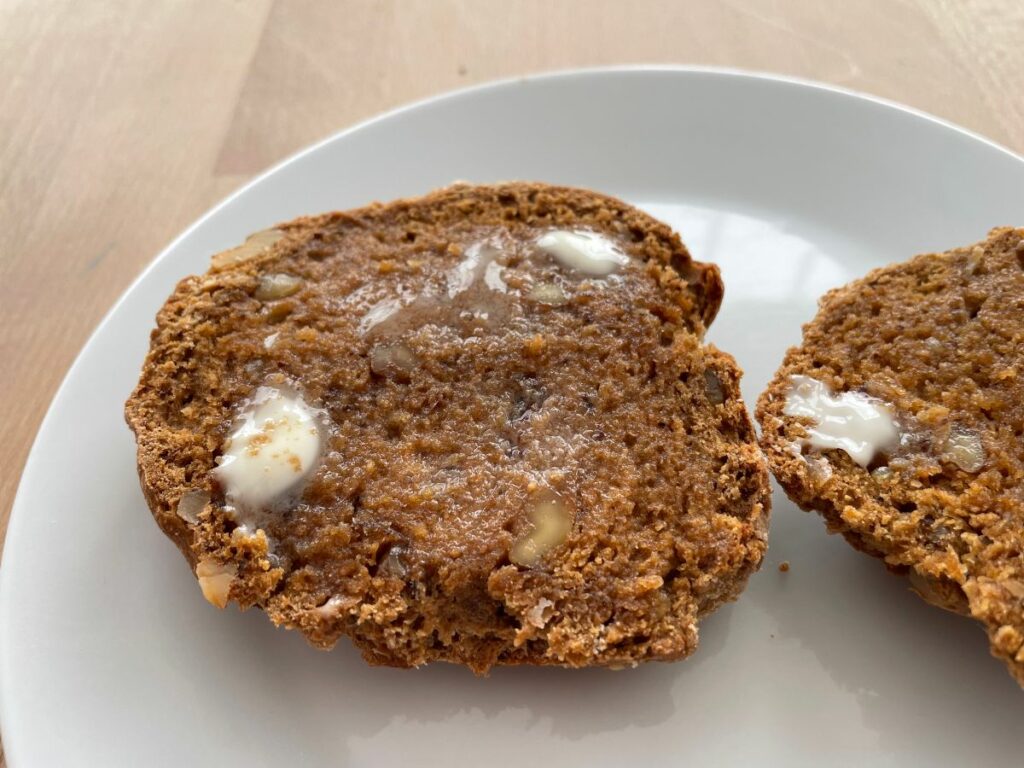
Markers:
274,448
584,252
851,421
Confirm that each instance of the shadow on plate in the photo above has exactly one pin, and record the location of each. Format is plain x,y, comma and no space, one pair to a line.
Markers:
570,704
923,678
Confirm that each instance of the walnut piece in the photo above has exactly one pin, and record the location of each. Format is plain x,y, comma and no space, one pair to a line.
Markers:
191,504
394,360
548,293
277,286
255,245
215,580
964,448
551,523
713,386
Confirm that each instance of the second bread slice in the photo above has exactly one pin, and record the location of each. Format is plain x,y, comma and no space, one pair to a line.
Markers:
900,418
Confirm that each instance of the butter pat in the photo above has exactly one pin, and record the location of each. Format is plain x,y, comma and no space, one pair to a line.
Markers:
852,421
582,251
274,448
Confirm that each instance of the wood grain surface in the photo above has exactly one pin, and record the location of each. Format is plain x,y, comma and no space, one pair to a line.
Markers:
121,122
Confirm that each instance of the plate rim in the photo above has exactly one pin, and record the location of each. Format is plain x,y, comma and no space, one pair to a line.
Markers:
8,554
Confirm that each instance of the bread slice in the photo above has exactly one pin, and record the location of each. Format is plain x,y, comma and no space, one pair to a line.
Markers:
936,345
521,450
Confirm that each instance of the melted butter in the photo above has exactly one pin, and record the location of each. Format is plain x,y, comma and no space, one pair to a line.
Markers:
274,448
851,421
473,297
475,292
379,313
478,262
581,251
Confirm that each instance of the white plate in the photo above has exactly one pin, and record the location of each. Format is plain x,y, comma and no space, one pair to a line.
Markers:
109,656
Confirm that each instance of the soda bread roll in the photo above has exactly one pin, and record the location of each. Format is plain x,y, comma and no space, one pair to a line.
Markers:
478,426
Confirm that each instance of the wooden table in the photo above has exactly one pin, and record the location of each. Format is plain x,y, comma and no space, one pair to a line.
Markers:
120,123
